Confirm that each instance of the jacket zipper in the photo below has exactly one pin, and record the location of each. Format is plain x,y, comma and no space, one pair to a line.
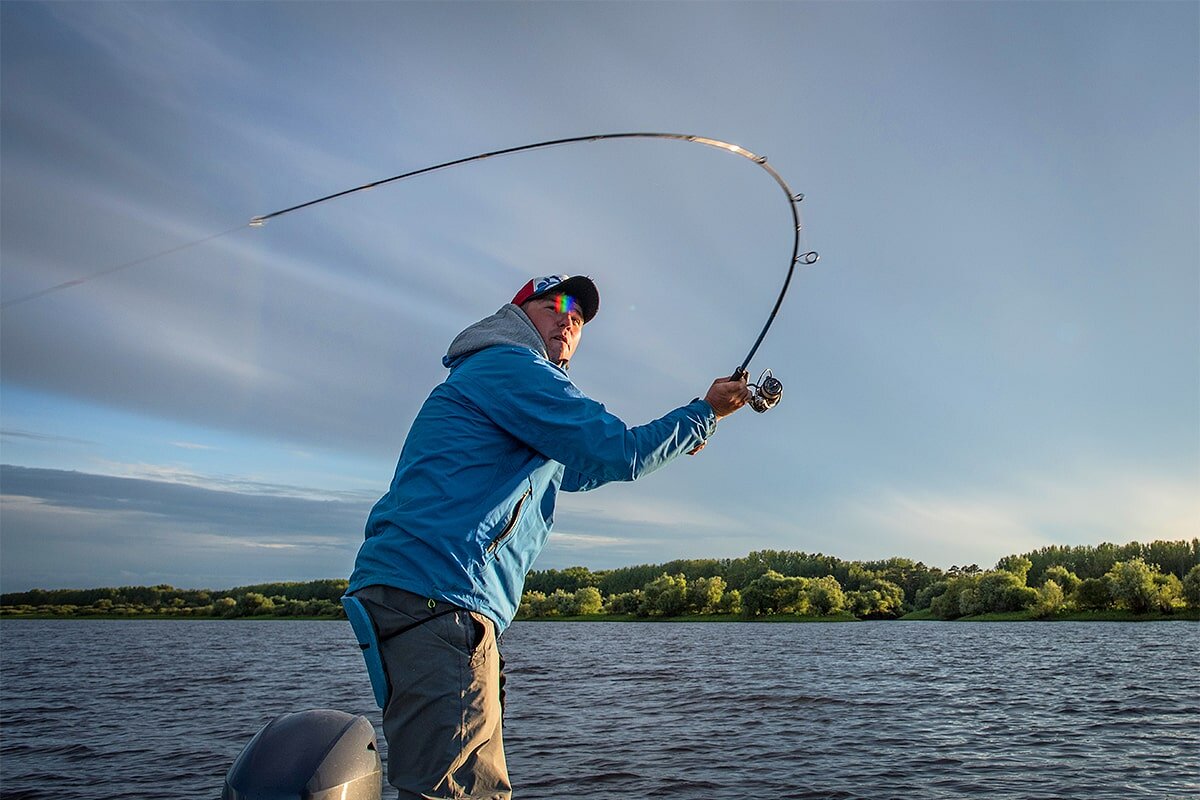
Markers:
512,522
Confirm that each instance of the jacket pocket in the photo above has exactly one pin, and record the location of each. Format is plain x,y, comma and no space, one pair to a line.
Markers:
512,522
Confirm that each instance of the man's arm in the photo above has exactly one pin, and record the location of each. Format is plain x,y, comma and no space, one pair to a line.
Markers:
725,396
536,402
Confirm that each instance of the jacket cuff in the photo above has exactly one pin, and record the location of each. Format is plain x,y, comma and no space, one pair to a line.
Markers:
705,415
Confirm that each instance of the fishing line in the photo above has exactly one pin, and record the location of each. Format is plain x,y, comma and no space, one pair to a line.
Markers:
768,391
116,268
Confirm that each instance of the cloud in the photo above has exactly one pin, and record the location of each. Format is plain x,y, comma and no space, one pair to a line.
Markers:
63,528
236,484
565,540
42,437
978,526
954,528
958,328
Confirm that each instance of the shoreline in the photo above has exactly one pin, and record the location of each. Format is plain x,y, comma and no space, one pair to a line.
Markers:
1183,615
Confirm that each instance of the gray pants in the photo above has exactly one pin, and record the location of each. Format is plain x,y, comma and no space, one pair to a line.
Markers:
443,714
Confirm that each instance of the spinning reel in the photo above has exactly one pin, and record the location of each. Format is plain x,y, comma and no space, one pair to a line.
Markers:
765,394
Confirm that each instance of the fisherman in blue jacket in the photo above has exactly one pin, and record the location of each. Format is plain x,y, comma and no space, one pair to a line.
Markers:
441,572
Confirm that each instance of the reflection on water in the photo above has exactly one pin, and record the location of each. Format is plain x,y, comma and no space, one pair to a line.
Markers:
159,709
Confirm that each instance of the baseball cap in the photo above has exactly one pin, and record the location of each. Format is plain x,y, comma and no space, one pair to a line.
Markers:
579,286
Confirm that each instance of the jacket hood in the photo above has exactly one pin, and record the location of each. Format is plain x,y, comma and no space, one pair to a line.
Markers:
508,326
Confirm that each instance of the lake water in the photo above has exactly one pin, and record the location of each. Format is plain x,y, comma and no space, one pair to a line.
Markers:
160,709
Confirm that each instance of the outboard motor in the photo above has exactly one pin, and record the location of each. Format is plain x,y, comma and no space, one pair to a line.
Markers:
321,754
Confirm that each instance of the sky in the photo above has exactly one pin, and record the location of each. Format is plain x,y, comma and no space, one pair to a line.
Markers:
997,351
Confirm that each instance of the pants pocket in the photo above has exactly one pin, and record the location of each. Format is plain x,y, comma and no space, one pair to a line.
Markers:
480,630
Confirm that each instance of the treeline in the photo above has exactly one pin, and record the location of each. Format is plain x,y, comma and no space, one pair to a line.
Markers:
1161,577
1134,586
1169,558
295,599
1137,577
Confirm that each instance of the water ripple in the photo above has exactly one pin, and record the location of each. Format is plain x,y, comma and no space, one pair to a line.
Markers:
871,711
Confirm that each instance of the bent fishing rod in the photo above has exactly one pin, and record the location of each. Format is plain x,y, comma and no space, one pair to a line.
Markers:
768,391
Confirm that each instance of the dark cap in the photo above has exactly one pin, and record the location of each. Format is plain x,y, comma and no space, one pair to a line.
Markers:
580,287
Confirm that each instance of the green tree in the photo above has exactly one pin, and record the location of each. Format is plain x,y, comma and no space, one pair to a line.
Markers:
876,599
562,604
530,600
961,597
924,597
253,603
825,596
588,600
1168,592
971,600
774,593
1050,600
225,606
911,576
569,579
1093,594
548,605
704,594
1191,587
1017,565
1004,590
1132,585
624,603
1068,581
731,602
665,596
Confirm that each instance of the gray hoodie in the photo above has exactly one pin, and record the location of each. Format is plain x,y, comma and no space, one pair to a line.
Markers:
508,326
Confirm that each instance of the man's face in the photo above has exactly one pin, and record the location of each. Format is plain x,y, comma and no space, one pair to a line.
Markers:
559,319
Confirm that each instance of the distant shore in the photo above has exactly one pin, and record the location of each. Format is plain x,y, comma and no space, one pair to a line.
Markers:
1107,582
1182,615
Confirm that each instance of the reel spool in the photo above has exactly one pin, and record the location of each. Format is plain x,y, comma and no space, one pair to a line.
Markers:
767,393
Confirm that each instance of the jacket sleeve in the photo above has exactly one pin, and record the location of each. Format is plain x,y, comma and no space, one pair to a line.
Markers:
534,401
575,481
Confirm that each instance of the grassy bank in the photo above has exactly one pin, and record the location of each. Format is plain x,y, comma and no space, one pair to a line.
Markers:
580,618
691,618
185,617
1111,615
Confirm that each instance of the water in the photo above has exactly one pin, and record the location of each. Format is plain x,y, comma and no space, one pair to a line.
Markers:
160,709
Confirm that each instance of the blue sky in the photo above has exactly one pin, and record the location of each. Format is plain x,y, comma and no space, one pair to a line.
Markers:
997,351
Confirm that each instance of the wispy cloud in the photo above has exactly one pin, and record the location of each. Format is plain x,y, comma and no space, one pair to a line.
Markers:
586,540
978,525
615,505
209,536
42,437
235,484
925,365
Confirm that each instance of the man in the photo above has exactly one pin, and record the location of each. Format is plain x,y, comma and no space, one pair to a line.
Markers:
447,549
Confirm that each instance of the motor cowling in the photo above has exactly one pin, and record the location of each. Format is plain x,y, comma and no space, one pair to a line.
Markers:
321,754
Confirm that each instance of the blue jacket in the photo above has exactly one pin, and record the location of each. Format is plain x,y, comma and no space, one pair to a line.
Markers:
472,501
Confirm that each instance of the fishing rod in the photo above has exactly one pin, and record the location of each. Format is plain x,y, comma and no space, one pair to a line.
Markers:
768,391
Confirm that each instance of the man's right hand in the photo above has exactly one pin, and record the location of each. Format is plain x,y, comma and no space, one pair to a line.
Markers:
727,396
